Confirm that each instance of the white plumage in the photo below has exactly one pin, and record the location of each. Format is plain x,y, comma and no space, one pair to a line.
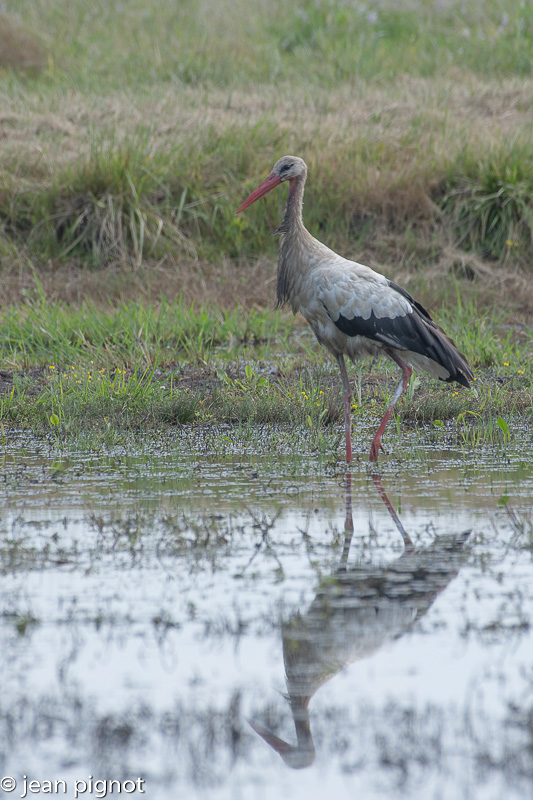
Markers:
352,309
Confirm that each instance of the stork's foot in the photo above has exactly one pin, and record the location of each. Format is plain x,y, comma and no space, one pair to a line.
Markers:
375,448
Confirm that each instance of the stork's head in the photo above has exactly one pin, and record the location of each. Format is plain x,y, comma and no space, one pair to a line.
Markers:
287,168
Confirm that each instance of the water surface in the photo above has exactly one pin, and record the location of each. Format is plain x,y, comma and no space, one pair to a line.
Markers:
237,625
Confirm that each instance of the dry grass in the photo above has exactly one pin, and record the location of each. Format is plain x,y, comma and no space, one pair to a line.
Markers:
20,49
54,134
225,285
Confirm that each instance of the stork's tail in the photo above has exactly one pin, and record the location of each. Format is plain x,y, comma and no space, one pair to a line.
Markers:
450,357
428,339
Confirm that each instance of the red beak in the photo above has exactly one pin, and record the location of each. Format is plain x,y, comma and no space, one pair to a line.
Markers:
265,187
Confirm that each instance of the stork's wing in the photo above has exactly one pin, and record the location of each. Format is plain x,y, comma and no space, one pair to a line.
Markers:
363,303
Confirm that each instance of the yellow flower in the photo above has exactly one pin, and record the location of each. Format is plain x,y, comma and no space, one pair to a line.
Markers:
505,363
51,366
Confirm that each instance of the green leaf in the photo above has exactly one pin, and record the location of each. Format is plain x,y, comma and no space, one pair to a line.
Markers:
54,419
503,426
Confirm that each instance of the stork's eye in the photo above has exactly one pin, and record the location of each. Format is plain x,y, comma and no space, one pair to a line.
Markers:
286,168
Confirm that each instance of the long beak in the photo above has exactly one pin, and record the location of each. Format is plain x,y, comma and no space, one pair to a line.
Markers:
268,184
274,741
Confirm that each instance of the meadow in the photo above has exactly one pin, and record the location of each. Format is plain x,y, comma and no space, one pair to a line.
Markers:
133,298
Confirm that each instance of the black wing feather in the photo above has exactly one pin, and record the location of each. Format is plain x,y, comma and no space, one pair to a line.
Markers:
414,331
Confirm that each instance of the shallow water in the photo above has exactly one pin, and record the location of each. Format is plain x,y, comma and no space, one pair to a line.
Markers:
212,625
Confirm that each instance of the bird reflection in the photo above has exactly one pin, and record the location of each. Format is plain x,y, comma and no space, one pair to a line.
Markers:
355,612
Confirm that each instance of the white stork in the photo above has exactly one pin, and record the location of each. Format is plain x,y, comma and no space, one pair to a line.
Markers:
352,309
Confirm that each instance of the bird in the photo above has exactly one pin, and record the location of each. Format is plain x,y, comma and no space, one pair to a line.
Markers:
352,309
357,609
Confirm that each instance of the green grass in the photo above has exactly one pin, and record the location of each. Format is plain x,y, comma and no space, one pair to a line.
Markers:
133,335
489,199
130,133
43,333
146,368
228,44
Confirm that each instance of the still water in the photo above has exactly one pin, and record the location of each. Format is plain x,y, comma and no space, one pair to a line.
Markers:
194,624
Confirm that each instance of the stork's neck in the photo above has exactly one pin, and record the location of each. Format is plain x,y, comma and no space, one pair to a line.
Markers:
292,249
293,220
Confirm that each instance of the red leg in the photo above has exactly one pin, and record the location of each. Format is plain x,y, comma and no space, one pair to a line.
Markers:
406,374
348,523
347,407
390,508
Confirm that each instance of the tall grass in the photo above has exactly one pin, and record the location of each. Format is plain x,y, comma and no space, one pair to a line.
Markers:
489,199
130,200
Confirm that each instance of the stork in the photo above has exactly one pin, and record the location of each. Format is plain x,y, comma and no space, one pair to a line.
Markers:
352,309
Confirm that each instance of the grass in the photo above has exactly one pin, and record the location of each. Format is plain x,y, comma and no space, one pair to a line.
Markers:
491,204
43,333
131,133
85,371
145,127
250,42
132,200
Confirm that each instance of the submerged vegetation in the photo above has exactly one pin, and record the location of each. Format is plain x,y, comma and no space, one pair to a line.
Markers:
130,134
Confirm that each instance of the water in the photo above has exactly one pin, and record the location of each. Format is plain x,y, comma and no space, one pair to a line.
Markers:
195,625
